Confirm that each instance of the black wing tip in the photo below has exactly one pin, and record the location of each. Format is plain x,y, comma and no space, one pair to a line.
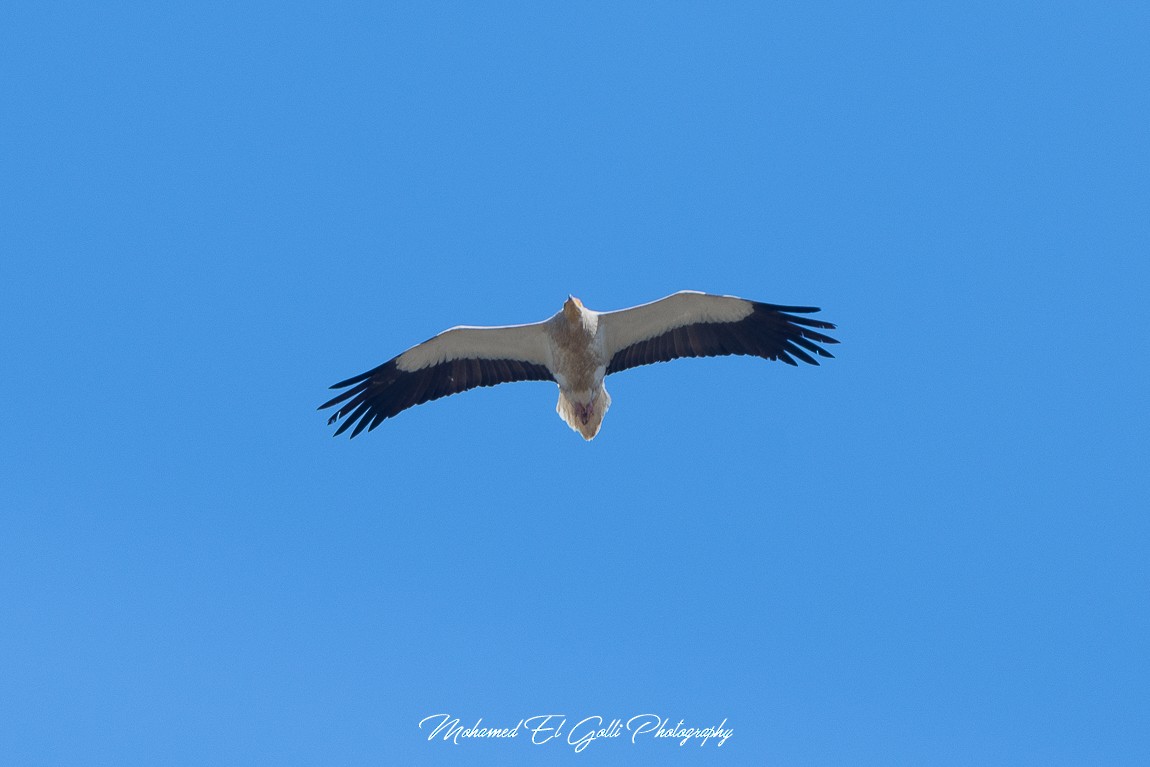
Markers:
791,310
357,415
808,339
349,420
336,399
353,380
364,375
822,353
346,425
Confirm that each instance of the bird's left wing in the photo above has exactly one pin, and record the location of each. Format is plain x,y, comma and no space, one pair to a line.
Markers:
692,324
456,360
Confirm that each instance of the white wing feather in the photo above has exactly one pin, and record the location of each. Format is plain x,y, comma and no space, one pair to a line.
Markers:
526,343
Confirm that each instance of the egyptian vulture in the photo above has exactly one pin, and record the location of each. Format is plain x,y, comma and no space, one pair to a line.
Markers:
577,349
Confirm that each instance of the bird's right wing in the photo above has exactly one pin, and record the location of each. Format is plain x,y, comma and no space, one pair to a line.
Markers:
692,324
456,360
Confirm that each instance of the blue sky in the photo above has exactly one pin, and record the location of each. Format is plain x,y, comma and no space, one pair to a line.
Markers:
930,550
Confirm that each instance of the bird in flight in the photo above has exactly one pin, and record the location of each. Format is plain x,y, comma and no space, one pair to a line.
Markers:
576,349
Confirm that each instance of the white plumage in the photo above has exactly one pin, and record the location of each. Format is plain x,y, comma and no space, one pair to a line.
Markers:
577,348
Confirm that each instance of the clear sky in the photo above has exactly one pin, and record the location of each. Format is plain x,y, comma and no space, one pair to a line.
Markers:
932,549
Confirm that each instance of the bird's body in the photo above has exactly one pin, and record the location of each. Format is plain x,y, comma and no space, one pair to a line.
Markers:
577,348
578,354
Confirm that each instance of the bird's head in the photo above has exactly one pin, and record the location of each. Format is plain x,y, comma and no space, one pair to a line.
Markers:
572,309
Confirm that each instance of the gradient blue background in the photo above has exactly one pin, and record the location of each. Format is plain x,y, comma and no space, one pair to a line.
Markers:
930,550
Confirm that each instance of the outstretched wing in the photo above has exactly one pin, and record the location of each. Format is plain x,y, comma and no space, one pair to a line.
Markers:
691,324
456,360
